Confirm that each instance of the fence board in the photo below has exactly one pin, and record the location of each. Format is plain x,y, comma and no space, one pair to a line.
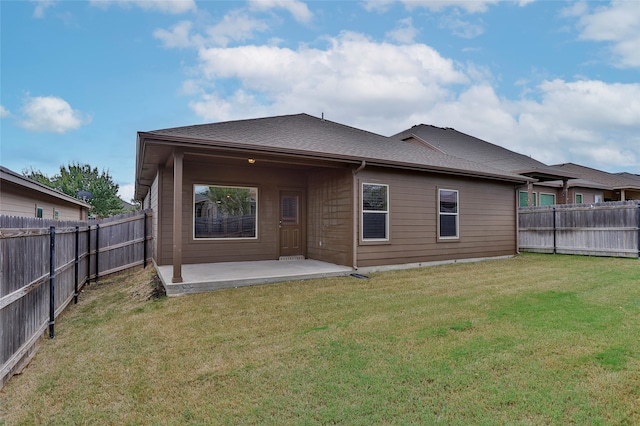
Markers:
102,247
605,229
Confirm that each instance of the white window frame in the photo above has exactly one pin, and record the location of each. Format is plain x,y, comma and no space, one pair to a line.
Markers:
456,214
40,212
576,198
363,211
196,238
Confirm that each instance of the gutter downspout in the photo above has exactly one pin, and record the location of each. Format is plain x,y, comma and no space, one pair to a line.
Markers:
355,214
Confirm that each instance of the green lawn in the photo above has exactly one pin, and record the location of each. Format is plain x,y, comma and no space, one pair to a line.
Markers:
537,339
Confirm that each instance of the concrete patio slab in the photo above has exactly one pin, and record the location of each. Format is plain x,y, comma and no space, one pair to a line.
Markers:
214,276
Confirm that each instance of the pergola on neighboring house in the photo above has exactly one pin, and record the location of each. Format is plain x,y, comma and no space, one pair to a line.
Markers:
553,184
24,197
615,186
298,186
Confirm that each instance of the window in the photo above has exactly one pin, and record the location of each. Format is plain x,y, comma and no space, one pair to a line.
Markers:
39,212
56,214
448,226
578,198
225,212
547,199
375,212
597,198
524,199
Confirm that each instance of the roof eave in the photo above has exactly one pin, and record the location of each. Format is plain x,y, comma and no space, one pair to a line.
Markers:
186,142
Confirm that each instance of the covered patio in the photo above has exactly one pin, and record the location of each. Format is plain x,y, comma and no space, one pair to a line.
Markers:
202,277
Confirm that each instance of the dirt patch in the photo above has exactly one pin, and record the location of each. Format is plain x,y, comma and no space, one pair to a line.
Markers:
146,285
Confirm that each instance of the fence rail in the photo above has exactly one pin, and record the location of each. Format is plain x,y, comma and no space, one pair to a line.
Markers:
45,263
605,229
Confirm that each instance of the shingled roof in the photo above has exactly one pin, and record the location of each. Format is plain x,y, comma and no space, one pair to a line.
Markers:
614,181
309,136
458,144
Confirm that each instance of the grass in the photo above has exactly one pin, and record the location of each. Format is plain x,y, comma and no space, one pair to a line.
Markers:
537,339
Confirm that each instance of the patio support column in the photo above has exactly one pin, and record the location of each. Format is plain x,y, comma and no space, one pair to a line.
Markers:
178,157
529,194
623,195
565,190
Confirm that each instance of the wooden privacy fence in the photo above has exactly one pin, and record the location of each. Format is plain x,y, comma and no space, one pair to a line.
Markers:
45,263
605,229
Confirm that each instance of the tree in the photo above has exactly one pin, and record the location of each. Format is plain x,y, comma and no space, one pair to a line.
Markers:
77,177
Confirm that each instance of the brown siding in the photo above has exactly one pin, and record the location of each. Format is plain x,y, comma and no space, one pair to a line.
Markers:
330,219
22,202
487,219
153,204
588,195
268,180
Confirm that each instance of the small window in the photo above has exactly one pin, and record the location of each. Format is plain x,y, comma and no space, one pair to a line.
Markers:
39,212
225,212
578,198
448,214
524,199
375,212
56,214
547,199
597,198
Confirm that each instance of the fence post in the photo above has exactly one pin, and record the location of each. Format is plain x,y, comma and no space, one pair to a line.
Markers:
144,244
638,231
554,231
52,280
97,249
76,270
88,254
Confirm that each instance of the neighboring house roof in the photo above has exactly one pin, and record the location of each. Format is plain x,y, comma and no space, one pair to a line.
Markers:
453,142
614,181
575,183
17,179
312,137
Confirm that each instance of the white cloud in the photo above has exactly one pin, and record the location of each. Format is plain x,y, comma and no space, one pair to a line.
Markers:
165,6
404,33
41,7
236,26
476,6
4,112
460,27
298,9
179,36
617,24
50,114
353,73
126,191
386,87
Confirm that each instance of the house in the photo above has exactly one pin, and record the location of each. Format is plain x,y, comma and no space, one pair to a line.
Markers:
24,197
300,186
615,186
553,185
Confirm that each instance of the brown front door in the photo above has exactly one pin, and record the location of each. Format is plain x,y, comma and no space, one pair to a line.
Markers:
291,232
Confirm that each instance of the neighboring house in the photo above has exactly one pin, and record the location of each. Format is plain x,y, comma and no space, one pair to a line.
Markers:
297,185
554,185
24,197
616,186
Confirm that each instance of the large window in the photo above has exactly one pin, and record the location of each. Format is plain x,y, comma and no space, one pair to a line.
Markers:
225,212
375,212
448,214
547,199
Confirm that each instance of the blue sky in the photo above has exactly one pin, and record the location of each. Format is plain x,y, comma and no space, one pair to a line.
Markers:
556,80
